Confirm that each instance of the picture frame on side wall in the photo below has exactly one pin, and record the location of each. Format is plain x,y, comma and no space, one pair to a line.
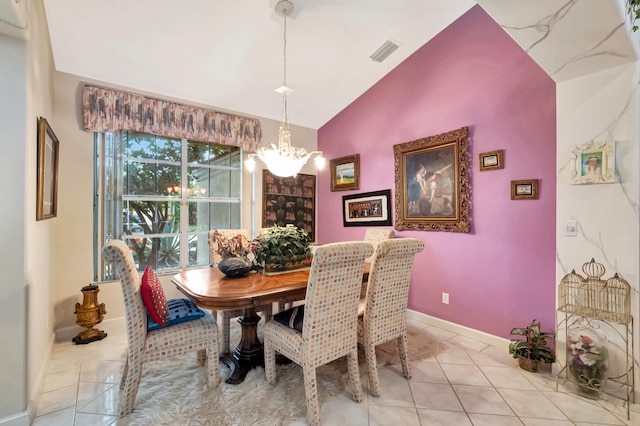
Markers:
47,179
492,160
524,189
593,162
367,209
345,173
432,178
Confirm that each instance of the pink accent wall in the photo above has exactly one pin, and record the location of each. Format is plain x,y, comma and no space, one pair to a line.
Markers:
502,274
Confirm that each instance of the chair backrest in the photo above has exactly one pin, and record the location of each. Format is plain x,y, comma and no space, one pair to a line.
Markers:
388,286
375,235
118,252
214,257
331,304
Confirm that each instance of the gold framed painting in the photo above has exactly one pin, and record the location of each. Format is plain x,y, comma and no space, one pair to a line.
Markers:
492,160
593,162
345,173
524,189
432,183
47,180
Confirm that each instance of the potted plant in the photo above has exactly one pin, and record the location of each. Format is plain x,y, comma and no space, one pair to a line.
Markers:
533,350
283,248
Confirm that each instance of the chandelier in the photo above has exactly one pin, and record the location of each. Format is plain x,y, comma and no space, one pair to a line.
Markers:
284,160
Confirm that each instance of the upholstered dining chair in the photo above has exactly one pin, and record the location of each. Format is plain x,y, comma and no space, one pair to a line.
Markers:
375,235
329,322
227,316
198,335
382,316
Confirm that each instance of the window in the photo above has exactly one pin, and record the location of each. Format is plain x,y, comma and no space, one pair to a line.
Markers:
162,195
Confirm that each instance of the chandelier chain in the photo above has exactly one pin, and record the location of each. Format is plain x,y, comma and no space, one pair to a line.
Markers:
285,117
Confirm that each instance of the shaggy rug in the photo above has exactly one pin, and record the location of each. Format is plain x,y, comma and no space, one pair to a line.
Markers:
175,392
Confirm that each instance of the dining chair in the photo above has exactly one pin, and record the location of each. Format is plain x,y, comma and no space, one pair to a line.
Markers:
382,315
198,335
328,327
227,316
375,235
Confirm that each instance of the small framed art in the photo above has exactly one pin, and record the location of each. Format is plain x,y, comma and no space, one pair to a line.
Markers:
345,173
47,179
491,160
524,189
593,163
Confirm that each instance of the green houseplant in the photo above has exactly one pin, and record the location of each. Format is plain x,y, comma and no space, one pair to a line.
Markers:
533,350
282,248
633,9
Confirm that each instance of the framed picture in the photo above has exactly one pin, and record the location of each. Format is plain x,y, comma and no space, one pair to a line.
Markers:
345,173
491,160
524,189
593,163
289,201
367,209
432,183
47,181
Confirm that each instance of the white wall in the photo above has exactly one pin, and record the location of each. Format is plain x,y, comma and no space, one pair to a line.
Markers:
26,334
13,333
601,107
74,233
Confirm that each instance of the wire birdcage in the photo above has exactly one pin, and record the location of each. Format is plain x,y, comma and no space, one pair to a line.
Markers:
607,300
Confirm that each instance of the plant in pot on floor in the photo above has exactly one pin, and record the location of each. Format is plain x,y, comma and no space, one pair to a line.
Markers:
533,350
283,248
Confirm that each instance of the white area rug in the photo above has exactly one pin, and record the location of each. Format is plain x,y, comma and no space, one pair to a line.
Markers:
175,392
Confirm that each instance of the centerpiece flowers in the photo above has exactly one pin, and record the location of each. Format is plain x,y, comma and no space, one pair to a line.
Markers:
235,252
587,361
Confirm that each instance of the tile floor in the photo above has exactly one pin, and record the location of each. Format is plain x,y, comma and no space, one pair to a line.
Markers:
470,383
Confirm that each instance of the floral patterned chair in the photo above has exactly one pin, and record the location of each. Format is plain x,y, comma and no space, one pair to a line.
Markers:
227,316
329,325
382,315
375,235
199,335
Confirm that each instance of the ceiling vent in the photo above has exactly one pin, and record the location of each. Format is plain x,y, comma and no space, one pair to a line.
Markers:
384,51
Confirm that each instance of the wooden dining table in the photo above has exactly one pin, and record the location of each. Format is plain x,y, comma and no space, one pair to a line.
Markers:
211,289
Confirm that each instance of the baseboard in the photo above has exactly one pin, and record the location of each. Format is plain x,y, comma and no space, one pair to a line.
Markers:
462,330
68,333
19,419
38,386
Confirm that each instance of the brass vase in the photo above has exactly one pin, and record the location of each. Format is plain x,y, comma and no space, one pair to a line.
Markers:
89,314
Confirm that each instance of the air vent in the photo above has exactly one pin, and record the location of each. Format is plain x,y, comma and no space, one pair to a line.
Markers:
384,51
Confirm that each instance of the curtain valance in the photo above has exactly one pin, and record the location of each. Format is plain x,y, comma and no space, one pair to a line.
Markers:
109,111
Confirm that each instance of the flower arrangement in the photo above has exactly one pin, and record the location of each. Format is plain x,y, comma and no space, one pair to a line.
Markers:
587,363
235,246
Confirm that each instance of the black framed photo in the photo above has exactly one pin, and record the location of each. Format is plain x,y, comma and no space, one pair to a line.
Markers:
367,209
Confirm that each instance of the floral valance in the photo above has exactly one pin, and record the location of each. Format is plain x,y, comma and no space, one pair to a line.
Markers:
109,111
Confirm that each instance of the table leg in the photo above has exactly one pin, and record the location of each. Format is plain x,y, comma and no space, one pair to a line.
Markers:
249,352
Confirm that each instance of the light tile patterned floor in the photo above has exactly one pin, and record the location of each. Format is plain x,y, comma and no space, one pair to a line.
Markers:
469,383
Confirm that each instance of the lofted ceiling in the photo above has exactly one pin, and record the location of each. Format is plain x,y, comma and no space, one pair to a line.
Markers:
229,54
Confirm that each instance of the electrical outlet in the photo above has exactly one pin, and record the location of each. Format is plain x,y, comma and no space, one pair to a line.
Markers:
445,298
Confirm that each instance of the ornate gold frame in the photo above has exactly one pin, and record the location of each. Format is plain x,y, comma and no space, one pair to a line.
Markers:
433,191
47,184
348,161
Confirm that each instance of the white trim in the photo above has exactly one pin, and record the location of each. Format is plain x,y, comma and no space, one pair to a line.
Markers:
461,330
19,419
36,391
68,333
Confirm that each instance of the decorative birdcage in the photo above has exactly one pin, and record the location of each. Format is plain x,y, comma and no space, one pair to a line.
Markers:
606,300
